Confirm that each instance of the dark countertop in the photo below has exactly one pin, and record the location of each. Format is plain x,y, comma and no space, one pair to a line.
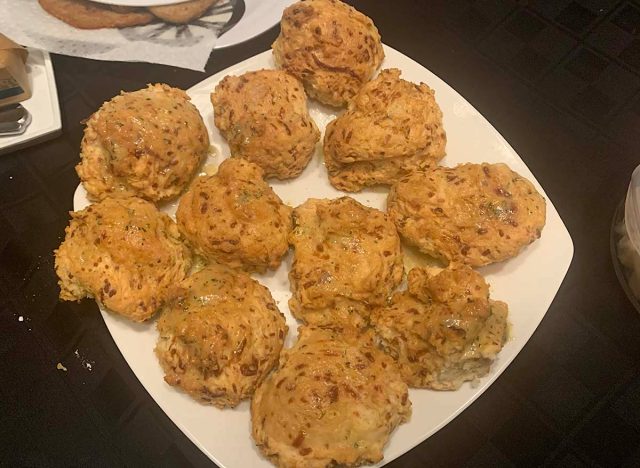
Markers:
560,80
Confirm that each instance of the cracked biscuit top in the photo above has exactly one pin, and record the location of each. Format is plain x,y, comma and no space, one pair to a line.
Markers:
443,330
391,128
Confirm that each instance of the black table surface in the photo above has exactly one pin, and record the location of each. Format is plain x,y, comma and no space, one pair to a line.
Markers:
560,80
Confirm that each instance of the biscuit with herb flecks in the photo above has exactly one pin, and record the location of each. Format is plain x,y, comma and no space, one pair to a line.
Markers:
147,143
263,115
334,400
347,258
235,218
220,337
330,46
124,253
475,214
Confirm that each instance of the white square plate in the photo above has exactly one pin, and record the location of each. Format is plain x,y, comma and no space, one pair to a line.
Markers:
528,282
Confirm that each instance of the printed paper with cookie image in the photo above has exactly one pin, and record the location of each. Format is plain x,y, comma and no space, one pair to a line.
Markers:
150,31
87,14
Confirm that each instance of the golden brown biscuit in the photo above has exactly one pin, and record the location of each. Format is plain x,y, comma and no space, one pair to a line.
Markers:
235,218
391,128
444,330
264,117
220,337
148,143
334,401
473,213
347,258
124,253
184,12
330,46
85,14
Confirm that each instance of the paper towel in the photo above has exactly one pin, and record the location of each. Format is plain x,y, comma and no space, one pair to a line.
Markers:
186,46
